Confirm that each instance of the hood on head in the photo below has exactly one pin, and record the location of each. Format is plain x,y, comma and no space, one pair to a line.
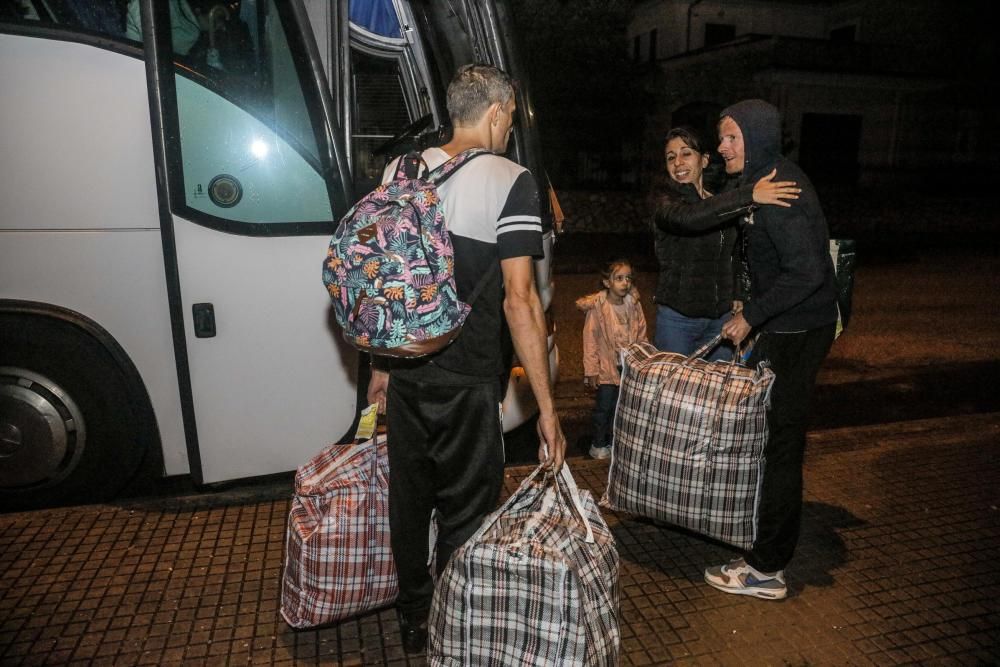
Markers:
760,123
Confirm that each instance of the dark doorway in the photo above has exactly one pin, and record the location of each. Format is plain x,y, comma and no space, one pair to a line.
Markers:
829,148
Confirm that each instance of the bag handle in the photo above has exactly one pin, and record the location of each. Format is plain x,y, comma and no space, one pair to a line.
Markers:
567,485
708,347
514,497
567,488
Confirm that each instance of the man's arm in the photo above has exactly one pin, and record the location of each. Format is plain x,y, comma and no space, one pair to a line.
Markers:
526,320
678,217
707,214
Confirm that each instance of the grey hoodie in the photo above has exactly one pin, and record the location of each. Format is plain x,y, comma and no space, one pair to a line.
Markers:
788,249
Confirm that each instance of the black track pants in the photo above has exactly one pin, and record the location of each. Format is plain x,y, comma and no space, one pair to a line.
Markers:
445,453
795,359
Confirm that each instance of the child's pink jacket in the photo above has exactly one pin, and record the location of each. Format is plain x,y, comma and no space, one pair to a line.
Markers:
600,355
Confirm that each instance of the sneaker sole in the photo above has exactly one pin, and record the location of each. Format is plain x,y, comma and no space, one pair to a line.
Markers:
761,593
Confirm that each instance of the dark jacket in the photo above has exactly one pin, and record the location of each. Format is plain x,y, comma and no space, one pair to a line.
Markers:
695,241
788,249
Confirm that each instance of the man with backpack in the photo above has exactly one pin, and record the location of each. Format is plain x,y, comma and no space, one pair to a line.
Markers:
443,410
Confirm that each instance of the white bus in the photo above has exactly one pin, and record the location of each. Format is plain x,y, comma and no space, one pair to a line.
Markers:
171,173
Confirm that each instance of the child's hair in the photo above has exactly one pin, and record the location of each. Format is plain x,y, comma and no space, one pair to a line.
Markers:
609,268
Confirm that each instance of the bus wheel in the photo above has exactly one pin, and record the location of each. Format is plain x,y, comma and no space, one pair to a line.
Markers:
68,431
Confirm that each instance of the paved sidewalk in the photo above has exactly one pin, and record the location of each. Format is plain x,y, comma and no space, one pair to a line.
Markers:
897,565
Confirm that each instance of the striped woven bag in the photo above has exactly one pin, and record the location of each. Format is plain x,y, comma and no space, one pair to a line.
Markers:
689,440
338,561
537,584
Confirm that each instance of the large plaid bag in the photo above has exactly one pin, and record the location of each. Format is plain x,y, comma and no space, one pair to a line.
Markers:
689,440
338,562
536,585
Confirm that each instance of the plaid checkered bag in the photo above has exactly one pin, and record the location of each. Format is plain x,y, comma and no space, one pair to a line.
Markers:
689,442
338,562
536,585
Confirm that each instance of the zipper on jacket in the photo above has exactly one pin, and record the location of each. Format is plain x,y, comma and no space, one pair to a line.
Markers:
722,245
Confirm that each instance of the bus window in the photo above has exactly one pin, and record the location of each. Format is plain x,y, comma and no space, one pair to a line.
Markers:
247,139
101,17
380,111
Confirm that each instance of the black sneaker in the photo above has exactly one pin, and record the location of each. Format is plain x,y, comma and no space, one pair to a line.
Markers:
413,634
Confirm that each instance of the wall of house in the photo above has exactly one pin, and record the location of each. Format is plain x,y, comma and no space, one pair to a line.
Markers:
918,79
762,18
670,19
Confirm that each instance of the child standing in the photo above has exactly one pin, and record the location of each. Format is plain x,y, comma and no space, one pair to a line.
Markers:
614,321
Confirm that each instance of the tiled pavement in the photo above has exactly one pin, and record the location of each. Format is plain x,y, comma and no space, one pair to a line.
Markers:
897,565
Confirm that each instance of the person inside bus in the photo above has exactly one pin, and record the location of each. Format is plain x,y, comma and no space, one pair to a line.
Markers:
445,439
208,32
185,25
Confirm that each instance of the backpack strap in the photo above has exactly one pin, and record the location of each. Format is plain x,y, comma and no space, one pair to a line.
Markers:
439,176
442,172
409,166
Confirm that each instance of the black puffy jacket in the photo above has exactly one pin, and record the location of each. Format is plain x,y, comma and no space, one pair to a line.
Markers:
698,270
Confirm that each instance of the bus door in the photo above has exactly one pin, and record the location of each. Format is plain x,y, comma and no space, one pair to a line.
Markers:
389,63
250,187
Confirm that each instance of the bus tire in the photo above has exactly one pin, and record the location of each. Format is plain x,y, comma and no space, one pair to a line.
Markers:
69,430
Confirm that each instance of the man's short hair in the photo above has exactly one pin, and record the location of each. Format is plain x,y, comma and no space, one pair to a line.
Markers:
473,89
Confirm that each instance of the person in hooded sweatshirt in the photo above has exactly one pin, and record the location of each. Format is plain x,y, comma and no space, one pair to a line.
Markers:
792,305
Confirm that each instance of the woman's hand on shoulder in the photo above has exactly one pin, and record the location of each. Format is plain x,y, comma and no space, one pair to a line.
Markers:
776,193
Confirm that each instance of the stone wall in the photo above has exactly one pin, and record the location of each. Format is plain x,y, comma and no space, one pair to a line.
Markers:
603,211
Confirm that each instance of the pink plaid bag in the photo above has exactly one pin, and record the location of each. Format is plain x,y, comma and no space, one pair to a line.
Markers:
338,562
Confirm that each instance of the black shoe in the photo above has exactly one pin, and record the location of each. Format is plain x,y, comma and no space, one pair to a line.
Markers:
414,635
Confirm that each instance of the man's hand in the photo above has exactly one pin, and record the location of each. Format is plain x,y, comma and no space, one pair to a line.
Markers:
769,191
551,442
590,381
737,306
526,320
736,329
376,389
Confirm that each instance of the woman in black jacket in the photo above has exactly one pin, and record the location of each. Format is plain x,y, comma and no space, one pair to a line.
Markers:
698,288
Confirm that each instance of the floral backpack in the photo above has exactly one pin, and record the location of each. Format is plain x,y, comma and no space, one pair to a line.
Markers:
390,267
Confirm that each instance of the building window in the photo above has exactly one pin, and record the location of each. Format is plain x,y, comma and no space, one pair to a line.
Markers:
652,45
847,33
719,33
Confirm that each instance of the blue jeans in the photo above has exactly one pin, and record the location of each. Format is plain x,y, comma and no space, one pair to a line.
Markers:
603,416
683,334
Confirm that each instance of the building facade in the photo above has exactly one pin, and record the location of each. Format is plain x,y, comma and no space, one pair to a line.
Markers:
871,91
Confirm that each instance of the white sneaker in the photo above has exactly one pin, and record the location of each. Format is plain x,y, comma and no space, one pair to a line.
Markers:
739,578
600,452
